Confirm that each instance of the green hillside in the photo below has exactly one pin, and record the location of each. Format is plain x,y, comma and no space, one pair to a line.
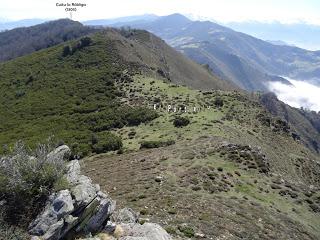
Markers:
70,97
25,40
216,166
233,171
69,91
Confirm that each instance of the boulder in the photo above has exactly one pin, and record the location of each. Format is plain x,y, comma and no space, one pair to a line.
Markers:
146,231
103,213
83,192
125,215
63,204
73,171
62,152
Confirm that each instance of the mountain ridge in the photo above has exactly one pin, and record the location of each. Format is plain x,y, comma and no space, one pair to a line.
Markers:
266,59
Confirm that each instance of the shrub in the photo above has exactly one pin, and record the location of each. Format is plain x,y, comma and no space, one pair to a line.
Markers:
186,230
9,232
156,144
218,102
181,121
107,141
26,180
85,41
136,116
66,51
80,149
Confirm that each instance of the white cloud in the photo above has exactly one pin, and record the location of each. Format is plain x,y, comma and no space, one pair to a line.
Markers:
299,94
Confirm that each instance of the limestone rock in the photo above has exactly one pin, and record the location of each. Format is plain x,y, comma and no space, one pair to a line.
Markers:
125,215
62,204
73,171
84,192
62,152
54,231
146,231
104,211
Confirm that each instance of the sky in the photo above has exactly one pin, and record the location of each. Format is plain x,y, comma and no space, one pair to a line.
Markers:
299,94
284,11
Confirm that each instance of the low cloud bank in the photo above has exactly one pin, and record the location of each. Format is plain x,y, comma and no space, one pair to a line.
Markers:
299,94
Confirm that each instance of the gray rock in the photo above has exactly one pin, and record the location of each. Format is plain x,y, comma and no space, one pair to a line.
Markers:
54,231
85,209
58,206
146,231
42,223
84,192
125,215
62,204
104,211
62,152
73,171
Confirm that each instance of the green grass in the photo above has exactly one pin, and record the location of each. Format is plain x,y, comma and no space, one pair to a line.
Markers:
45,94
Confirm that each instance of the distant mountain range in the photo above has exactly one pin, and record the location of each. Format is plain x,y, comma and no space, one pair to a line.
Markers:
247,61
8,25
115,21
299,34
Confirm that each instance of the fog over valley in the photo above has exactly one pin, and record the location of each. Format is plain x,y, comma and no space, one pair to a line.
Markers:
298,94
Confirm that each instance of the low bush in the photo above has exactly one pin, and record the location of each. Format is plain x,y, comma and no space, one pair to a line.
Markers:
136,116
156,144
181,121
218,102
27,178
106,141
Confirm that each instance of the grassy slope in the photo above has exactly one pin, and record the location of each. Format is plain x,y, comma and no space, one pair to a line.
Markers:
73,97
45,94
193,190
174,65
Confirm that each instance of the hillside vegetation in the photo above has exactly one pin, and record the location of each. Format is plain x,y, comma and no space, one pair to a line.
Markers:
22,41
305,123
232,172
69,90
163,136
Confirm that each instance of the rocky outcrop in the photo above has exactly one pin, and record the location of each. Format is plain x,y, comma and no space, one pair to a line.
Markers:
84,210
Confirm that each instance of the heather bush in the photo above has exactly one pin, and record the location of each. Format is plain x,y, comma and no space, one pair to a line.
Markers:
181,121
26,179
156,144
106,141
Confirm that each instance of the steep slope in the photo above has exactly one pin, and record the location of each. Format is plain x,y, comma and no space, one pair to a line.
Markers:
228,50
169,63
25,40
305,123
69,90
